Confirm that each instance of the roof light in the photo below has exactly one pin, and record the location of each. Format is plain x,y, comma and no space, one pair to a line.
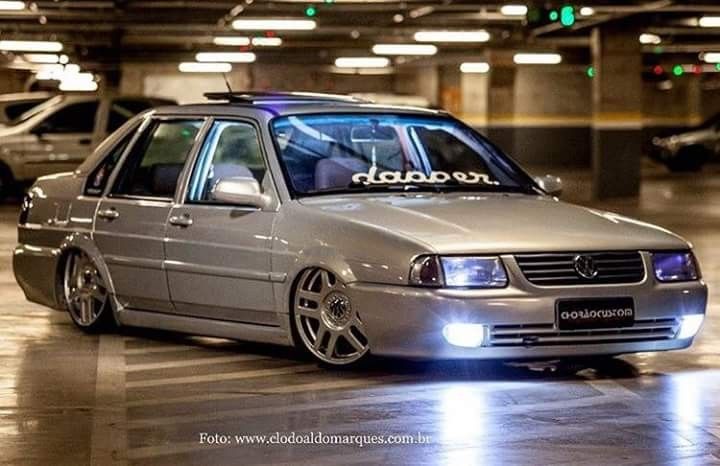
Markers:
537,58
587,11
42,57
231,40
452,36
362,62
274,24
404,49
225,57
514,10
267,41
474,67
647,38
195,67
30,46
709,22
10,5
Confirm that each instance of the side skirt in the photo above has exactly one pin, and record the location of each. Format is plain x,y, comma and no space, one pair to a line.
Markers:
204,327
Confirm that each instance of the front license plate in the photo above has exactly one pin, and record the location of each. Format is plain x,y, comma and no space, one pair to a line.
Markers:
577,314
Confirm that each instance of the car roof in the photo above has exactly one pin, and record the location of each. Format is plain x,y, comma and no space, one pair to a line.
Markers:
287,103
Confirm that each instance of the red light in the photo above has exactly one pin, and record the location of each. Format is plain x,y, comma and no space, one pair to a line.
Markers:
269,33
658,70
697,69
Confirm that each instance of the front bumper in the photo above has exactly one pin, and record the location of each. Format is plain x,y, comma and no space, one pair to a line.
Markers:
407,321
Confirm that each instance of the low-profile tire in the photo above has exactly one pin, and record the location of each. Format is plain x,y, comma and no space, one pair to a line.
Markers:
688,159
326,322
85,293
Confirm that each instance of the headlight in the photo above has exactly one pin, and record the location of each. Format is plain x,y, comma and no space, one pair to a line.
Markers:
675,266
459,272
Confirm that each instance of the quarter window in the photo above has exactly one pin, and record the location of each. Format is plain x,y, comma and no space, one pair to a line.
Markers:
157,159
98,178
231,150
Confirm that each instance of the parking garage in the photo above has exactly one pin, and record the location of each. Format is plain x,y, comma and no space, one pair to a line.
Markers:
620,100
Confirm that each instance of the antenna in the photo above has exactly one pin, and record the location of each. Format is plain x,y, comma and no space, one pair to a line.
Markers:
227,83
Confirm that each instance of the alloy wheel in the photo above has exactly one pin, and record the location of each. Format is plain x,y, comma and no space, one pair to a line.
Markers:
84,290
328,324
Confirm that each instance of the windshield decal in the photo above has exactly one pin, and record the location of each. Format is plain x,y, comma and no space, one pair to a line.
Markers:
410,177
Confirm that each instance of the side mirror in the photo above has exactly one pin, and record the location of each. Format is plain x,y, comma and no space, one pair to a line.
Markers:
552,185
240,190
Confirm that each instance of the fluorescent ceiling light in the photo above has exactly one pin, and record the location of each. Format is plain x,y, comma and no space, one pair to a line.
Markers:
30,46
71,84
404,49
647,39
9,5
514,10
587,11
231,40
42,57
537,58
226,57
274,24
72,68
474,67
267,41
362,62
195,67
709,22
452,36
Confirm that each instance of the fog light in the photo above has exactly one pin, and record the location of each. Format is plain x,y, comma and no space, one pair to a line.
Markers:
690,325
466,335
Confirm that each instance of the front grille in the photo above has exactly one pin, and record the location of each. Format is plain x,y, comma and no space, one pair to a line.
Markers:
548,335
556,269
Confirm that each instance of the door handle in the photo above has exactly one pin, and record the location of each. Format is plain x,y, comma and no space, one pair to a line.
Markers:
182,221
109,214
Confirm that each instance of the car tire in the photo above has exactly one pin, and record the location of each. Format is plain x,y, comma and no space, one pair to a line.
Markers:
325,321
688,159
85,294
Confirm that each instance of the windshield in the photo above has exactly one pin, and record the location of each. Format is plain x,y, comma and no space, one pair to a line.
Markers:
362,152
36,110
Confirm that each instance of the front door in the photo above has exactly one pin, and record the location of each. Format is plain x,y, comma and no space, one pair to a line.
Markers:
130,222
62,141
218,255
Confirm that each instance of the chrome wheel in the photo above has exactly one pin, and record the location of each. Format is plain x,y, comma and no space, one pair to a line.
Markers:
328,324
84,289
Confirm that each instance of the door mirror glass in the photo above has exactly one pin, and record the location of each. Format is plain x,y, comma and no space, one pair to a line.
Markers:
552,185
239,190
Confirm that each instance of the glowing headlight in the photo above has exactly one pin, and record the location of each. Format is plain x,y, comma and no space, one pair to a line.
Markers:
675,266
459,272
690,326
465,335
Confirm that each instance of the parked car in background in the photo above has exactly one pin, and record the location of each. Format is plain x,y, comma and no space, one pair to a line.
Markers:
688,150
60,133
14,105
346,228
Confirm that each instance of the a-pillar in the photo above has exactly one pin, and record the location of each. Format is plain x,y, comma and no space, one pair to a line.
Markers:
617,112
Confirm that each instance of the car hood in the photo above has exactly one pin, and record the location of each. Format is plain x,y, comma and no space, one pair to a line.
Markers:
460,223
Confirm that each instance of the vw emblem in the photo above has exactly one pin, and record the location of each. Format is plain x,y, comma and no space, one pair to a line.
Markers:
585,266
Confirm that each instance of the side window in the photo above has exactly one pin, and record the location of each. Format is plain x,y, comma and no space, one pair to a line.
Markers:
74,118
231,149
98,178
122,110
157,159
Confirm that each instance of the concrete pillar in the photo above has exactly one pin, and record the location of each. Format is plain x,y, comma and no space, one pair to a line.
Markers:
617,112
450,88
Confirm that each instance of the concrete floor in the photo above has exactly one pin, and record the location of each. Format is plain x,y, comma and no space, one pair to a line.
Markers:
144,397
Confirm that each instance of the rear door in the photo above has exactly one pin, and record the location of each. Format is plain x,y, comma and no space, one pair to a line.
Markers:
62,140
130,221
218,254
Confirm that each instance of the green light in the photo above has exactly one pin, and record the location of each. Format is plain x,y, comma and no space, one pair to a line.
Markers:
329,1
310,11
717,66
554,15
678,70
590,72
567,15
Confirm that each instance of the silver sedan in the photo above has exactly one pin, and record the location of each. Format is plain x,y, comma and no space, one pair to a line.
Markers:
346,229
